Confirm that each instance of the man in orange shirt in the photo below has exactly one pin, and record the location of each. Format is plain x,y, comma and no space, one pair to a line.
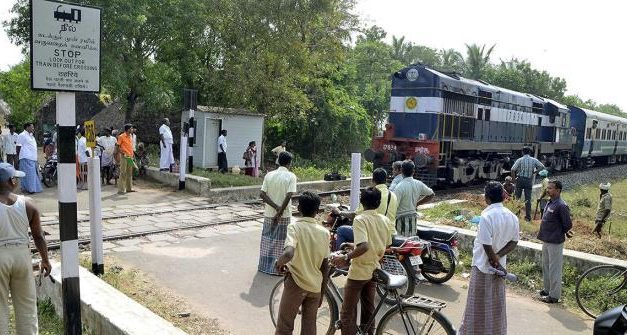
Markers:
124,147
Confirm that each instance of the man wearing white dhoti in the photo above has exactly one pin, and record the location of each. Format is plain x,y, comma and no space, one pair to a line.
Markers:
167,157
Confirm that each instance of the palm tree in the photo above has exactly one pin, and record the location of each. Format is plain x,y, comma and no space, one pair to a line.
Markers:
452,60
401,49
477,58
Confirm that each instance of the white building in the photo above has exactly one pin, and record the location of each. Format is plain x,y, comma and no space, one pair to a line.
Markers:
243,126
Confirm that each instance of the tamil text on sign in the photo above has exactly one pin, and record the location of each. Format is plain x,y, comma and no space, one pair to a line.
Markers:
65,47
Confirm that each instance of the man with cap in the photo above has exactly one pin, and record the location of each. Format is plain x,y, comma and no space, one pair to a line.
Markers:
17,215
604,208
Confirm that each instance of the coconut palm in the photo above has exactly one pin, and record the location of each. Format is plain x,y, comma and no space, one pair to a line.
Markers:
452,60
477,59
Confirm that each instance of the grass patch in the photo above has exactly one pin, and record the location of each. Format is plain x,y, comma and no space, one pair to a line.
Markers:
219,180
582,202
49,322
145,291
303,173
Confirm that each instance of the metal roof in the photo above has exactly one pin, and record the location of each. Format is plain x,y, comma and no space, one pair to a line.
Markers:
604,116
224,110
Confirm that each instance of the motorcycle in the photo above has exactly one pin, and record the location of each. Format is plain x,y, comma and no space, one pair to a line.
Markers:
612,322
49,171
439,263
432,253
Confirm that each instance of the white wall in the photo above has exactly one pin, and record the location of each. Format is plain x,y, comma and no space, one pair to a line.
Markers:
242,128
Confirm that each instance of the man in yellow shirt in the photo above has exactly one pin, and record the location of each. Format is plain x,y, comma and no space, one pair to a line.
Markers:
388,206
372,236
305,253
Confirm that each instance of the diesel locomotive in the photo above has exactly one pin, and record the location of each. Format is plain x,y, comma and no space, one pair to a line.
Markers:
457,130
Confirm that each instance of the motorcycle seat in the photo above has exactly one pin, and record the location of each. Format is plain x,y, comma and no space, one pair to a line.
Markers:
390,281
397,241
437,234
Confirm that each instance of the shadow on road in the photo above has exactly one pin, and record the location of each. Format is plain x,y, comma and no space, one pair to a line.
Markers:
566,319
258,294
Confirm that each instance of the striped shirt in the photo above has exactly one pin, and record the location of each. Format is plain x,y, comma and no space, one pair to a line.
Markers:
525,165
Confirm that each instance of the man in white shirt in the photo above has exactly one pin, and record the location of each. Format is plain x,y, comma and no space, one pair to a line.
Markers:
166,159
223,165
134,138
27,153
276,192
82,155
107,142
10,148
497,236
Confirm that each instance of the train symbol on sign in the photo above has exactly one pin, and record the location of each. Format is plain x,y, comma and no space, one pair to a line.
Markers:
73,16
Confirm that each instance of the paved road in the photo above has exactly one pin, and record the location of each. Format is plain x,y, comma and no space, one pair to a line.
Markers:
214,269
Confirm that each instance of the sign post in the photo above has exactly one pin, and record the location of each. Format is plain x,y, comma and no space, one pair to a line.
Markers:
95,208
65,57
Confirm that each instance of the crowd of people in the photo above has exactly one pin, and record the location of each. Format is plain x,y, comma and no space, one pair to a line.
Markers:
300,250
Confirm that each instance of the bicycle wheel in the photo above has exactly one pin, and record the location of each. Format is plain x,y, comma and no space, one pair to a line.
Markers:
439,266
327,313
392,265
412,320
601,288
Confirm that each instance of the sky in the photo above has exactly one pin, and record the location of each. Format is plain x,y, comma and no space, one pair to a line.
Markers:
577,40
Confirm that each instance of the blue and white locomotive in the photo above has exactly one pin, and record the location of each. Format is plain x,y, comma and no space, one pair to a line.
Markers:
457,129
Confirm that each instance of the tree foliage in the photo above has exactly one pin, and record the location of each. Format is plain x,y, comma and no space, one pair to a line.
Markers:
15,91
320,78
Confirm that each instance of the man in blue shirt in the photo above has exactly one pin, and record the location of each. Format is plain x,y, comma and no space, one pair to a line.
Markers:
555,227
523,170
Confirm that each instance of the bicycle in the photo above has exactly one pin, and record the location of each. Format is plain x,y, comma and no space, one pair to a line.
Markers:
600,288
413,315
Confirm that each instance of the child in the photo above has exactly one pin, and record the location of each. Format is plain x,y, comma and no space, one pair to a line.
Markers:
509,187
305,254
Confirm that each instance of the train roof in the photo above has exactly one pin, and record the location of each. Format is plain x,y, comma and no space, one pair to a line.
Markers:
555,103
603,116
519,97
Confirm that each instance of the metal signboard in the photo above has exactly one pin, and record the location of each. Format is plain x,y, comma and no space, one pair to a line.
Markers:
65,47
90,133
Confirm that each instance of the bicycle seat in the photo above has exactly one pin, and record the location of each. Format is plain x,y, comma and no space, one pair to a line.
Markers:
390,281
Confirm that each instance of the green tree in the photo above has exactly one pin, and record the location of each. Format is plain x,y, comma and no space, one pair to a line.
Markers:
477,60
15,91
452,60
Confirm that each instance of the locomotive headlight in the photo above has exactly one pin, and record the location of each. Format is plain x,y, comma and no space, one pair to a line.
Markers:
412,74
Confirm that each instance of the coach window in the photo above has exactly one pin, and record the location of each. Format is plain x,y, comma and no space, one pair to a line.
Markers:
480,114
487,115
597,136
603,135
588,133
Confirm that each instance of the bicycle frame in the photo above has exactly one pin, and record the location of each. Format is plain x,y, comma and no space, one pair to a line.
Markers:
335,292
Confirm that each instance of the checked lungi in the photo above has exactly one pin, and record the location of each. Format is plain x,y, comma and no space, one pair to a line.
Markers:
272,242
31,183
406,225
485,305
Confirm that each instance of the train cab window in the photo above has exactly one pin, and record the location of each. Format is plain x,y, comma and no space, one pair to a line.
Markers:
487,115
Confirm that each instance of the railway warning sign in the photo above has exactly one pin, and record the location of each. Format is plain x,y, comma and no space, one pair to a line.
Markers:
65,47
90,133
